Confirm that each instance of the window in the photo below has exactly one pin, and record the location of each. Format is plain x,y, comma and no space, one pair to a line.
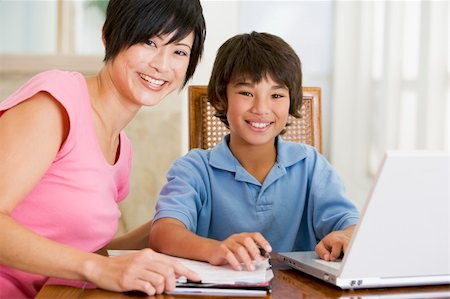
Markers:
52,27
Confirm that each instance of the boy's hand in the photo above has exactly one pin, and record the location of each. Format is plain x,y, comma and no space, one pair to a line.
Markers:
333,245
239,248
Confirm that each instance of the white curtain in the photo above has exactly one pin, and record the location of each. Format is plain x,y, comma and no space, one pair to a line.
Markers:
390,86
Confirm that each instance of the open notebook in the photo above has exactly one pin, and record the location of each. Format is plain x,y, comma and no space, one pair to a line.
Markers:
221,280
403,237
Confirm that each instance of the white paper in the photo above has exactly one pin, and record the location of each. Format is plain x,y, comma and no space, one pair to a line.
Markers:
227,275
220,274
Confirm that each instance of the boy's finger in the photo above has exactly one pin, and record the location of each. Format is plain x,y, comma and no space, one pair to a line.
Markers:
335,251
322,251
262,242
232,260
252,248
245,258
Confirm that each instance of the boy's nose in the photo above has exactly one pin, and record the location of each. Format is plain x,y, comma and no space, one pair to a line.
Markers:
260,106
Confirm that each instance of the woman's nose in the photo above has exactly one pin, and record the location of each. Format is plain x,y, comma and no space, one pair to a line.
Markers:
160,61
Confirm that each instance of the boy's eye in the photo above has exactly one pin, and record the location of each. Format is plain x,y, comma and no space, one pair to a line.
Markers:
245,93
277,96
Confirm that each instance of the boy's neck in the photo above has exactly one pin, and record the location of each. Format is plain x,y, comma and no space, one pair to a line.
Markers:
258,160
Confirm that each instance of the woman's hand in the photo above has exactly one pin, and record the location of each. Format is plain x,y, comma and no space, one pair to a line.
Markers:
239,248
144,270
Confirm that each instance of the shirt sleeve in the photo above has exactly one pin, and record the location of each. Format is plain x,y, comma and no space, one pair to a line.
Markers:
331,208
185,194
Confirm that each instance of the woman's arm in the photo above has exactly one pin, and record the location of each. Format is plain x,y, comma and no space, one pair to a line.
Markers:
31,135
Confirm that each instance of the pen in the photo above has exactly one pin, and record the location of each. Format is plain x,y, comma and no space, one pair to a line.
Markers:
263,253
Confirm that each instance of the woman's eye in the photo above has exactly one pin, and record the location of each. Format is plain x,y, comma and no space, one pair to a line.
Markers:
181,53
277,96
150,43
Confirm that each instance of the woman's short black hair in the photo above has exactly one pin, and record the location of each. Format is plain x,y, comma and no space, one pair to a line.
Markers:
254,56
129,22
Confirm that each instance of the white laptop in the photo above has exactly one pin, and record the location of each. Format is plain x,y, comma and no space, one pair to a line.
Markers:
403,237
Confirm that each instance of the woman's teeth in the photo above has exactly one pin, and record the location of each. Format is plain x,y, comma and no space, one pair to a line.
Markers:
151,80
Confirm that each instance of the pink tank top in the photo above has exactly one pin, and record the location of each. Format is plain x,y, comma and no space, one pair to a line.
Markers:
75,202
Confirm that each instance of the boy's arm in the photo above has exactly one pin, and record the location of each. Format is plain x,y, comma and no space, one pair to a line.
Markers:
333,245
170,236
136,239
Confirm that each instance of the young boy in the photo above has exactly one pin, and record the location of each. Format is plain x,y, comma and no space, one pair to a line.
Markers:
253,190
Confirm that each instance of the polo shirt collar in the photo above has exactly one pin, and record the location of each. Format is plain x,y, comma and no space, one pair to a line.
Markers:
288,154
222,157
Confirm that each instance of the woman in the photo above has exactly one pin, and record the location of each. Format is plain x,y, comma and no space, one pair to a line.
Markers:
65,160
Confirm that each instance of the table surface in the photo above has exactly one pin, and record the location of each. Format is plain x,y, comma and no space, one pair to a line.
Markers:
287,283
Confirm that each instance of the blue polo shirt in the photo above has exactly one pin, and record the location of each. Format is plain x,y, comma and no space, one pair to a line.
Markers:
301,200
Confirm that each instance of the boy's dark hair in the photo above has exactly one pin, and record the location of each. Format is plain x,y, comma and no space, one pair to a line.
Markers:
254,56
129,22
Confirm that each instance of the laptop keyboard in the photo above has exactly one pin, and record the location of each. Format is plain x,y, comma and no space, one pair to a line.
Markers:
335,265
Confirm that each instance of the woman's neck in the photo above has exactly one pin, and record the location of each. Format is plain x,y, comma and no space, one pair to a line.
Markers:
109,108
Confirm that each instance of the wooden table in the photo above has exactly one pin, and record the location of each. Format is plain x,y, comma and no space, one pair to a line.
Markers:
286,284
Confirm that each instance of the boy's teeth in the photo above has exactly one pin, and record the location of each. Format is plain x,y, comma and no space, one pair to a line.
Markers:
151,80
259,125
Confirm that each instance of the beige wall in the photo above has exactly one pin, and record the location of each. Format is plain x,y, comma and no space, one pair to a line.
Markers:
156,137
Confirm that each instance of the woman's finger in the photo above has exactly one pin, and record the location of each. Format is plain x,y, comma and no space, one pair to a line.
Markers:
181,270
158,282
146,287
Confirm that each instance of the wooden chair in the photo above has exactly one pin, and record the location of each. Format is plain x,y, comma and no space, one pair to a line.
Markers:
206,130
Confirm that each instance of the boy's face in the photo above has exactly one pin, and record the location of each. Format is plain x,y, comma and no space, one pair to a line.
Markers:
257,112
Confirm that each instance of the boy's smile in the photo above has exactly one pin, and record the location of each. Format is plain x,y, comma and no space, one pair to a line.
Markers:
260,125
257,112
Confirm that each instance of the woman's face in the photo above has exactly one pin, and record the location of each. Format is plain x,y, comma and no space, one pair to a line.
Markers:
145,73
